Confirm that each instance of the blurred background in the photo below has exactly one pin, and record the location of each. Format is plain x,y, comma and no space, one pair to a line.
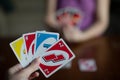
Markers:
22,16
114,26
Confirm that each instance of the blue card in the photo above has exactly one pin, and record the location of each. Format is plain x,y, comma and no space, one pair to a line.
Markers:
43,41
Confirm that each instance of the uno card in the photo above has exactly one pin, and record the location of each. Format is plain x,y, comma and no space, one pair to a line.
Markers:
43,41
18,48
87,65
55,58
29,40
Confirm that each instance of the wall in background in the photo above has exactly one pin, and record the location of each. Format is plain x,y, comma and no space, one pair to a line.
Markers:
28,16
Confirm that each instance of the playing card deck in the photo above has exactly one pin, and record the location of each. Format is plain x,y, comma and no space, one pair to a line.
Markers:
52,51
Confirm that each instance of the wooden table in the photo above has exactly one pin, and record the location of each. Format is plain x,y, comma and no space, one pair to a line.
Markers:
104,50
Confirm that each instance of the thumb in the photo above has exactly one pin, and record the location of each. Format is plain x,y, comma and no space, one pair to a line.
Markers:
32,67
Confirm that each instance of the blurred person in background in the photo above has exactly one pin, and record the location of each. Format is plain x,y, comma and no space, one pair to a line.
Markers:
93,24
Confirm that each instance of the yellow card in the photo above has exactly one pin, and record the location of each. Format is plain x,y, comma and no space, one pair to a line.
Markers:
18,47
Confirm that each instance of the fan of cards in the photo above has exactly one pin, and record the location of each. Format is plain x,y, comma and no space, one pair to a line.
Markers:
53,52
71,16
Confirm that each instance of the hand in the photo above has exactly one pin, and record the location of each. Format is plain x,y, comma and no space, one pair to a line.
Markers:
17,72
51,22
64,20
73,34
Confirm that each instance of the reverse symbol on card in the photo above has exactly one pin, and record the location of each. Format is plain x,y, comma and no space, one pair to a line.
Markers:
54,58
46,45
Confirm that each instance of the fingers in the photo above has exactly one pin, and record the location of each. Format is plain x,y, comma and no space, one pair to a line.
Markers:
68,33
34,75
15,69
72,34
32,67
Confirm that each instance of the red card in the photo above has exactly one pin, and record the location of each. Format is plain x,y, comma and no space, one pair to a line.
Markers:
29,39
55,58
